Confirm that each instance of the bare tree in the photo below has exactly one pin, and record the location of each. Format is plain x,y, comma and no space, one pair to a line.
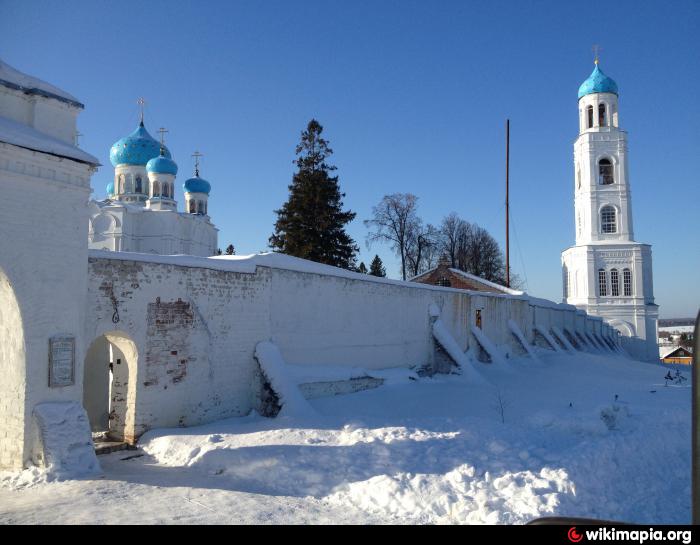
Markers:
423,247
393,220
450,230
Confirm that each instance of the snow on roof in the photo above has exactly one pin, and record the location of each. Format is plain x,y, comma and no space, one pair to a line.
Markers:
14,79
665,351
473,278
25,136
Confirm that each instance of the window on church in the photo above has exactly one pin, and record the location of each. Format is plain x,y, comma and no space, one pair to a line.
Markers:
200,207
156,189
601,115
444,282
605,172
589,115
608,221
192,207
139,185
602,283
166,190
627,282
614,283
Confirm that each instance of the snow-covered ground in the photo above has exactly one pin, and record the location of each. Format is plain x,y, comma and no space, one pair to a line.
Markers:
578,435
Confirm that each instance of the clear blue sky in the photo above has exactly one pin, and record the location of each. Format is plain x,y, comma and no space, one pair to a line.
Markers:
413,97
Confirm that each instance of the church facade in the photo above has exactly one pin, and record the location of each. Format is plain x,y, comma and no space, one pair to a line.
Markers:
607,273
140,213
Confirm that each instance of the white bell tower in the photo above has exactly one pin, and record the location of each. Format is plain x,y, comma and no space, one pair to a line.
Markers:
607,273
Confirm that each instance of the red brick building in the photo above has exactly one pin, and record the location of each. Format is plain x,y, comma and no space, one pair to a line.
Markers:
444,275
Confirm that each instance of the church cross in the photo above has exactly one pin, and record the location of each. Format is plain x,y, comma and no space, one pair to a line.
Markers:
196,156
141,102
162,132
596,51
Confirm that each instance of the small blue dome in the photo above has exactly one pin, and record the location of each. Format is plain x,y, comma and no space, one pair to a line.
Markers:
197,185
110,189
136,149
597,82
161,165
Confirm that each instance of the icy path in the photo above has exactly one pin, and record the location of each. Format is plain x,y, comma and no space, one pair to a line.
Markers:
427,451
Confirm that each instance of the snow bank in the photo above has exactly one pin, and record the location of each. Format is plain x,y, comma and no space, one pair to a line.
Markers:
277,372
449,344
304,374
68,451
460,496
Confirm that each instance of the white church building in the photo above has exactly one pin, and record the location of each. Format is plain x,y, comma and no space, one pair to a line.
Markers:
607,273
140,213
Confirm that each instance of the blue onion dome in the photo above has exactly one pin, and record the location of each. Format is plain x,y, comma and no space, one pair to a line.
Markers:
597,82
110,189
136,149
162,164
197,185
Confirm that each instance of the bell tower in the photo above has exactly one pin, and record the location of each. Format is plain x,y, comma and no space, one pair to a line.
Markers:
607,273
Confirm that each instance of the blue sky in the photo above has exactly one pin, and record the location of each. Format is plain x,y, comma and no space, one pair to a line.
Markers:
413,97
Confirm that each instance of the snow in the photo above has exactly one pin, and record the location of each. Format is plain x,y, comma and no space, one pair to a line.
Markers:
554,344
515,329
504,289
25,136
449,344
66,440
678,328
581,435
560,335
485,343
30,84
277,373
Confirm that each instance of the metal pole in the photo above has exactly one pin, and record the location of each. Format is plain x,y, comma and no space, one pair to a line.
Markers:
507,204
695,376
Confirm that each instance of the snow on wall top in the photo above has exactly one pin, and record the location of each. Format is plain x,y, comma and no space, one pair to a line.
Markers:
24,136
486,282
14,79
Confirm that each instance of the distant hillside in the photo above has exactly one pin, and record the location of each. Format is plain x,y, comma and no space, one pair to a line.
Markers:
676,322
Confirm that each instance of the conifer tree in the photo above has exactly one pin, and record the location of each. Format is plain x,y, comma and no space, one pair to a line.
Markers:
230,250
311,224
376,268
362,268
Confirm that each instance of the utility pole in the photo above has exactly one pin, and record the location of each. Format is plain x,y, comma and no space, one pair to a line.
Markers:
507,204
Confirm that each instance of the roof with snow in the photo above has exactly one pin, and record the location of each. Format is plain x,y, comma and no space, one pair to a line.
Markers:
27,137
14,79
471,278
675,351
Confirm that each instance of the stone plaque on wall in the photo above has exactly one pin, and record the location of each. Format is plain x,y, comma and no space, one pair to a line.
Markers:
61,361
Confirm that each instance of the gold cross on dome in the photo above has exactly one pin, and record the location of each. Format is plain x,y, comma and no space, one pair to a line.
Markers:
162,132
596,51
196,156
141,102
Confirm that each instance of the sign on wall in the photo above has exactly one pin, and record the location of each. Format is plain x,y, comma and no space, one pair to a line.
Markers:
61,361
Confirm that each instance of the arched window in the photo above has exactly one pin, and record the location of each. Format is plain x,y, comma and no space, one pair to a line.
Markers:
200,207
166,189
129,184
139,185
605,172
602,283
614,283
627,282
601,115
156,189
193,208
608,220
589,116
